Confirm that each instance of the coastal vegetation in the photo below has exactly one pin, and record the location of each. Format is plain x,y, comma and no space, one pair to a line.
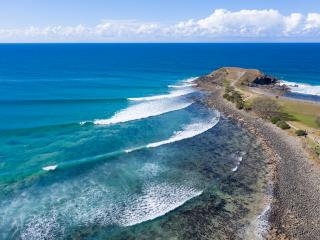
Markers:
296,179
300,133
283,125
252,90
305,113
266,108
234,96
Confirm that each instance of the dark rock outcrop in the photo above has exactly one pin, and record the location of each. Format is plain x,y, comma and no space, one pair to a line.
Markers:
246,77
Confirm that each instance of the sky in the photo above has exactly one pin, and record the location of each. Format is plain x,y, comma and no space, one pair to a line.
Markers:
159,21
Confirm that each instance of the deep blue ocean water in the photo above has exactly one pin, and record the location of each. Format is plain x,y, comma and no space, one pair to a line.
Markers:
97,138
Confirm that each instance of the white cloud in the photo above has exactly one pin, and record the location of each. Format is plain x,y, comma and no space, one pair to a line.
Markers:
221,24
244,22
313,23
292,23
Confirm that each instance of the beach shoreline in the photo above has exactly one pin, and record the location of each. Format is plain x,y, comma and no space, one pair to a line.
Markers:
293,177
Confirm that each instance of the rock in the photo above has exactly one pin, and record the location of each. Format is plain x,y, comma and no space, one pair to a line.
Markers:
246,77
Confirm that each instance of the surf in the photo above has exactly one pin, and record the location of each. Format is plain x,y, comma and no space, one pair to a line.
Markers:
144,110
303,88
165,197
172,94
188,131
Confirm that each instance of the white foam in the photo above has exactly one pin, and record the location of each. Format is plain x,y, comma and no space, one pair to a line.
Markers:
239,160
49,211
156,200
172,94
259,227
82,123
42,227
190,80
182,86
132,149
235,168
303,88
189,131
144,110
186,83
50,168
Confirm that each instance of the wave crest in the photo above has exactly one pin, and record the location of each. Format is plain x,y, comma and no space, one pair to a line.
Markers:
188,131
173,94
144,110
185,84
50,168
303,88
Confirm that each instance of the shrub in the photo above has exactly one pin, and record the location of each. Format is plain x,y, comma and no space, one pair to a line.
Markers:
236,95
301,133
283,125
265,107
247,106
229,89
239,105
275,119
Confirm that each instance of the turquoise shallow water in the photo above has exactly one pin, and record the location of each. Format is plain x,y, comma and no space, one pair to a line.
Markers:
111,141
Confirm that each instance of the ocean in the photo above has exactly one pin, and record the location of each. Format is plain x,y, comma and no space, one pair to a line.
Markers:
111,141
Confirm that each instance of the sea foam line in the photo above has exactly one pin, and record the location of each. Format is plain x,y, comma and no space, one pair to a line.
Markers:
182,86
50,168
186,83
188,131
172,94
144,110
151,106
190,80
303,88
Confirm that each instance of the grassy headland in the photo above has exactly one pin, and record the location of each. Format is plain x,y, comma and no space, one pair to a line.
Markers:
263,95
285,127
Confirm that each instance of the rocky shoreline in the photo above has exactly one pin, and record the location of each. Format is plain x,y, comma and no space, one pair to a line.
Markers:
293,177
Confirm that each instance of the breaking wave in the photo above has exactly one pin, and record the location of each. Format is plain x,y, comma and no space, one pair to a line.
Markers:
172,94
186,83
144,110
144,107
188,131
50,168
303,88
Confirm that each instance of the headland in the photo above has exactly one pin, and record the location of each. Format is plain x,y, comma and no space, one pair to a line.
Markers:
288,131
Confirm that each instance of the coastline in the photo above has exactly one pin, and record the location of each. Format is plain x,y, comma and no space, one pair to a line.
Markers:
293,177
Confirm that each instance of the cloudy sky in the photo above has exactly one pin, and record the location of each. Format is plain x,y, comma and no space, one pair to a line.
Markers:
159,21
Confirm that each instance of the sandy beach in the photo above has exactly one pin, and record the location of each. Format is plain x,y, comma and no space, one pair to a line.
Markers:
294,178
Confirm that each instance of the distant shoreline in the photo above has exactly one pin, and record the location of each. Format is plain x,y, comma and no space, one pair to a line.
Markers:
295,180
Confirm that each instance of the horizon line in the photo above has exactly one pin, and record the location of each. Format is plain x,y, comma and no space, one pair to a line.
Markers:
302,42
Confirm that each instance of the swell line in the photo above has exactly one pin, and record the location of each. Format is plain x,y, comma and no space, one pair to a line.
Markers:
144,110
172,94
189,131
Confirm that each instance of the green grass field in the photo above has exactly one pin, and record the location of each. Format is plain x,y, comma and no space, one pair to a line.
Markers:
303,112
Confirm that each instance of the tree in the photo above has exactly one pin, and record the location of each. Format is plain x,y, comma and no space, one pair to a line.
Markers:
265,107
